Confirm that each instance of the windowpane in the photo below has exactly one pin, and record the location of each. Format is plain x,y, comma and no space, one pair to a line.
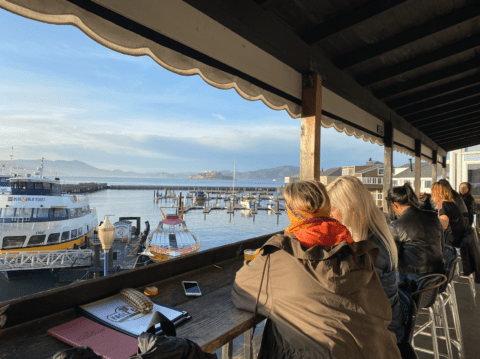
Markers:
60,213
36,240
80,232
38,185
13,241
65,236
8,212
42,213
74,234
23,212
53,238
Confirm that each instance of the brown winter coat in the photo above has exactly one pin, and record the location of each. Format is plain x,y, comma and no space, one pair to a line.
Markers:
322,304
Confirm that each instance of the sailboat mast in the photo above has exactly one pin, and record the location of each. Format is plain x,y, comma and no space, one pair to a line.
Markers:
234,164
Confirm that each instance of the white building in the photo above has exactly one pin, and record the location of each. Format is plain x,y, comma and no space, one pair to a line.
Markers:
405,174
465,164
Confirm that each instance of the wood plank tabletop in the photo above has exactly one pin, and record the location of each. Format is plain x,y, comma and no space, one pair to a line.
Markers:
215,321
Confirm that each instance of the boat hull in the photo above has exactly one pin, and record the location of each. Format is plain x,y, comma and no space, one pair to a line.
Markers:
164,254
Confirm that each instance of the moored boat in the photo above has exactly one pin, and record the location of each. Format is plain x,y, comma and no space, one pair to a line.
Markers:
171,239
36,216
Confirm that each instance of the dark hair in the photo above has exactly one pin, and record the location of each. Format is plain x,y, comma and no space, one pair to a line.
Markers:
469,189
455,195
403,195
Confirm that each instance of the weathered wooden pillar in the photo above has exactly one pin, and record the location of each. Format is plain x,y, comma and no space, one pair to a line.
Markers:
444,168
434,167
418,166
388,162
311,125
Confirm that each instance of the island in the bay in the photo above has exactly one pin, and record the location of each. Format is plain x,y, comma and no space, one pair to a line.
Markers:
211,175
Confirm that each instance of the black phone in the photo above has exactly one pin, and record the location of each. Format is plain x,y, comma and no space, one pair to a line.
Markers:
191,288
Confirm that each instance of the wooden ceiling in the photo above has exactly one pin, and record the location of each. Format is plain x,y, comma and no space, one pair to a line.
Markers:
418,57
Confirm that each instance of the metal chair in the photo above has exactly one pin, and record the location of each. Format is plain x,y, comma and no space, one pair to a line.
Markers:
409,316
448,296
425,297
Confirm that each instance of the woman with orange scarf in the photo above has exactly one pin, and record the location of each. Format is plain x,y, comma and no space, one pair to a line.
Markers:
317,287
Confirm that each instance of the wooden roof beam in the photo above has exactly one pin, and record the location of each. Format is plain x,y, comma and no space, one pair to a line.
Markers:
422,60
436,91
348,19
429,78
455,134
440,101
472,122
460,115
411,35
456,145
444,109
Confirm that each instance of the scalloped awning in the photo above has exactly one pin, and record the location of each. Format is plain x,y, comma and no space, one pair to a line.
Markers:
187,42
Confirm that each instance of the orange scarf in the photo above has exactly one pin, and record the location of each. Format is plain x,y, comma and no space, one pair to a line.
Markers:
316,228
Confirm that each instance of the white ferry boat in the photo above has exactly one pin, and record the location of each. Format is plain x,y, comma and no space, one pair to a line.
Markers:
4,184
36,216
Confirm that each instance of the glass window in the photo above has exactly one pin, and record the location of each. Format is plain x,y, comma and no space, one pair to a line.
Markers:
380,171
72,213
60,213
30,185
8,212
40,213
23,185
13,241
23,212
53,238
65,236
80,232
36,240
15,185
380,196
395,183
38,185
46,185
78,212
74,234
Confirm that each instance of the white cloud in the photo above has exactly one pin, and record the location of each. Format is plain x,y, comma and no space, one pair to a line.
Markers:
218,116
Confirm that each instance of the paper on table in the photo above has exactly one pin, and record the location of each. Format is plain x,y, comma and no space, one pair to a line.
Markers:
118,314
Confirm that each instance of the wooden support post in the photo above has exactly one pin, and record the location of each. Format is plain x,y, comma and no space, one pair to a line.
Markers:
444,168
388,162
434,167
249,347
418,166
227,351
310,127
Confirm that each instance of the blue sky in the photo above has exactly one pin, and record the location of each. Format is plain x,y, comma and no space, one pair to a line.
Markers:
63,96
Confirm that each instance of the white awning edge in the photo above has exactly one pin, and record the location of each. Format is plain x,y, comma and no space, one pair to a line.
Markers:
118,39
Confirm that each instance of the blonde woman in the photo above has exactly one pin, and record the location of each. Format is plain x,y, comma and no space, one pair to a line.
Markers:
450,215
317,287
353,206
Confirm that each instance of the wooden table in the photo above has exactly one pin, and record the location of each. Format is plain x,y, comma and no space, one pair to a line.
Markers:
215,321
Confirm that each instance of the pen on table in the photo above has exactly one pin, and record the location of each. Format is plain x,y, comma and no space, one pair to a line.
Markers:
178,322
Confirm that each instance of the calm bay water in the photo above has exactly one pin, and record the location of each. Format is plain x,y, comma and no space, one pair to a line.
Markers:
214,229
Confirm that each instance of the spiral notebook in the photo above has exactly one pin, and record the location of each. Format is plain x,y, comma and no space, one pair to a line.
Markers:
115,313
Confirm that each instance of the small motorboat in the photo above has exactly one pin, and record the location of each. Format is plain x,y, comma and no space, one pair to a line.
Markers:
171,239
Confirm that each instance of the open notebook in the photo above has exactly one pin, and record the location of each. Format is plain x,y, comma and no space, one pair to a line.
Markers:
115,313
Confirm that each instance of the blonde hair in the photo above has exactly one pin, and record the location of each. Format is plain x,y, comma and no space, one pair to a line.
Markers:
441,192
307,195
360,214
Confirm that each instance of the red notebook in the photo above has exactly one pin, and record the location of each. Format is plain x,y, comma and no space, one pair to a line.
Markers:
104,341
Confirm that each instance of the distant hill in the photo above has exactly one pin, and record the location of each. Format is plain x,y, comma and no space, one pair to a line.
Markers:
81,169
278,173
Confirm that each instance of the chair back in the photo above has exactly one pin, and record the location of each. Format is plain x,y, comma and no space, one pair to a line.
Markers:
428,288
451,261
409,316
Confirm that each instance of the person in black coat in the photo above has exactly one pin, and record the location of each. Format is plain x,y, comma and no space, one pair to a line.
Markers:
353,206
466,194
458,200
417,233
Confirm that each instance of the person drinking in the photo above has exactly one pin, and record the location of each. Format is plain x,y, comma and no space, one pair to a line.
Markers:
317,287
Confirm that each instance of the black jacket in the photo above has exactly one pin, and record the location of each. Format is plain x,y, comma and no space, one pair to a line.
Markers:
419,238
388,277
471,207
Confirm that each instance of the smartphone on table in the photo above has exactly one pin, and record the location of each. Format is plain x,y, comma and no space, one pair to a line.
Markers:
191,288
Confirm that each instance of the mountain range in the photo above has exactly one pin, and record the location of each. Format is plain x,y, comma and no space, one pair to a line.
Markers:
81,169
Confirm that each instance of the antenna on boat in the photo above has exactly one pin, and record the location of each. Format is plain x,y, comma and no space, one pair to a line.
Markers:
234,165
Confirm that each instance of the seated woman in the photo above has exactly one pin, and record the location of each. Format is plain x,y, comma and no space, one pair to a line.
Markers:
353,206
449,213
466,194
458,200
417,233
317,287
